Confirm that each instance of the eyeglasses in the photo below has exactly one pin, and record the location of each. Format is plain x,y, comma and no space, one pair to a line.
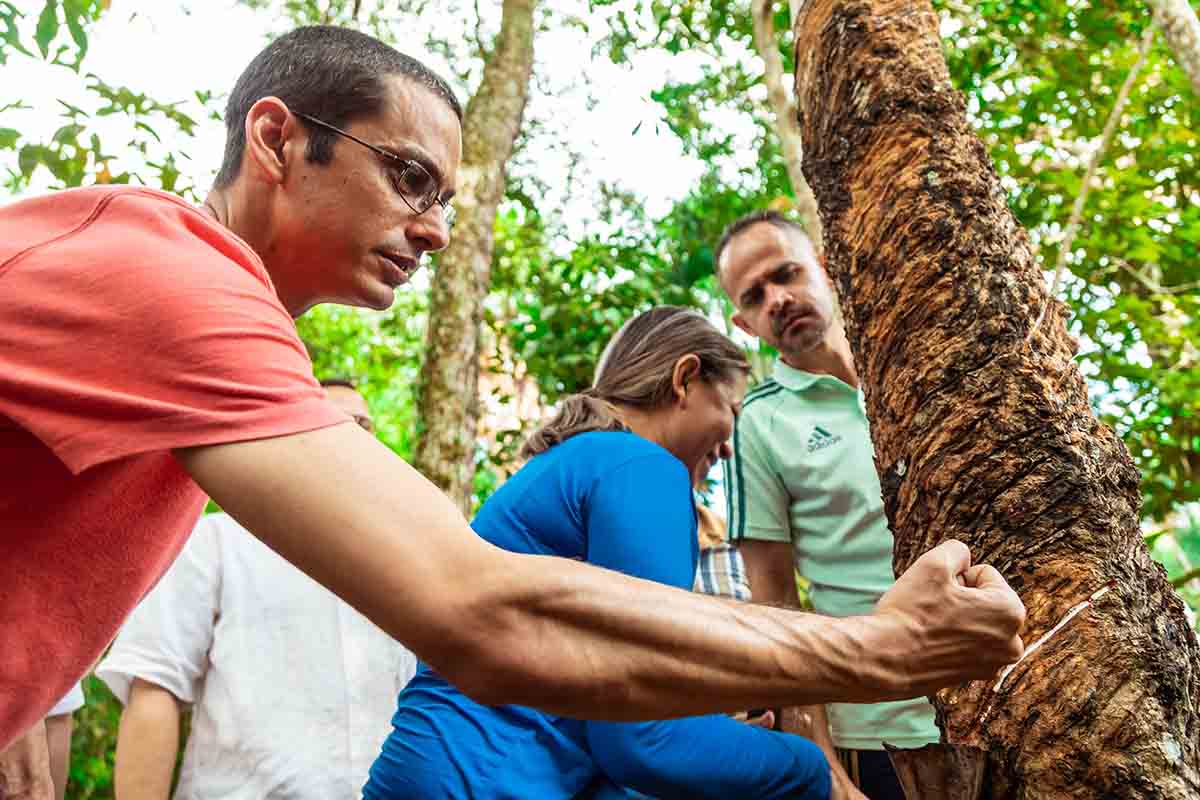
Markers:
412,182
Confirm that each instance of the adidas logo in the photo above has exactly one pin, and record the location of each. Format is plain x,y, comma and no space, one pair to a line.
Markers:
820,439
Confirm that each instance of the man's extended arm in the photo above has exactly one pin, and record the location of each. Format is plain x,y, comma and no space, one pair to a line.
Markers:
147,741
573,639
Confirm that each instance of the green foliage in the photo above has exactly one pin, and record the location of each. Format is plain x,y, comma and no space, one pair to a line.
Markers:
1041,80
93,743
380,352
75,155
75,16
561,310
1176,546
448,23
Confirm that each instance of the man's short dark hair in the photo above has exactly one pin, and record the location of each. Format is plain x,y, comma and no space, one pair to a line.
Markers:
339,380
334,74
740,224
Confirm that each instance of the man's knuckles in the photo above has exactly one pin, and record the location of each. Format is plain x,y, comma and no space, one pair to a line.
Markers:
1016,648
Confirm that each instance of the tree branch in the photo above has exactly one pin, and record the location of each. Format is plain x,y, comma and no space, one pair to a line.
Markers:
1155,288
1110,127
784,110
1186,578
1181,29
483,48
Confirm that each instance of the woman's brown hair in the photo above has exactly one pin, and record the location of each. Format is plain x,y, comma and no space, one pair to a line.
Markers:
637,368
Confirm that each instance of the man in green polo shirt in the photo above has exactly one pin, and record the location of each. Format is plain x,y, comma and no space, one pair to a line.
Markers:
801,486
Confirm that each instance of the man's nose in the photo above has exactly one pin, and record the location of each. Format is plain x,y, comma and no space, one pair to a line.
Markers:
778,297
429,232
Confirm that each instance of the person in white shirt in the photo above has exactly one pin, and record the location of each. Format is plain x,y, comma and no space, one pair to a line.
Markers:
292,690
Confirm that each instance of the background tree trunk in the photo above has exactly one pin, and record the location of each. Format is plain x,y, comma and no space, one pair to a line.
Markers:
1181,29
981,425
783,111
449,396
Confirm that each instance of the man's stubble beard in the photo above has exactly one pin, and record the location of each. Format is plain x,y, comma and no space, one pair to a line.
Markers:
804,342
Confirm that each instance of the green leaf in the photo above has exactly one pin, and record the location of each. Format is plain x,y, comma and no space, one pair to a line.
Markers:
76,15
10,36
145,127
29,157
8,138
67,134
1146,251
47,27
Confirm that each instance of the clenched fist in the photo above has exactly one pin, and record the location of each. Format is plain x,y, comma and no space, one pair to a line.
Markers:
953,622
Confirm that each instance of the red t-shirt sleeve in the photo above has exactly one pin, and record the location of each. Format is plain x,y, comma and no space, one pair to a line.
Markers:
130,323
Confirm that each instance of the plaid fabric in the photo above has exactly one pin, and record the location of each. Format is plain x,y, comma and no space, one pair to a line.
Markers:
722,572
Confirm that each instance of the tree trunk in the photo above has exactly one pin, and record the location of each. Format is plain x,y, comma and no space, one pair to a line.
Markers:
981,424
783,109
1182,31
448,399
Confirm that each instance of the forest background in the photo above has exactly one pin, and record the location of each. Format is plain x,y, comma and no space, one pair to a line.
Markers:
619,137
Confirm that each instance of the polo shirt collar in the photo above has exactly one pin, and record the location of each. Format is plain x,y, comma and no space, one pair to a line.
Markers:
798,380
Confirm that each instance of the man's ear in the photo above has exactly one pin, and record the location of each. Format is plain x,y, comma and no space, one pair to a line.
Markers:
742,325
270,128
687,369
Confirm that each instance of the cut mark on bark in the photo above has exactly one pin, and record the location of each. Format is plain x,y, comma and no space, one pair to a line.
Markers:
1070,615
1073,612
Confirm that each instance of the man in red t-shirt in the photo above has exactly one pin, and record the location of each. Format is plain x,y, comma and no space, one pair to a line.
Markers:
148,356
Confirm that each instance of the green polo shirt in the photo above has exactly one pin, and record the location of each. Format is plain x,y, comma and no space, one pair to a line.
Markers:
803,471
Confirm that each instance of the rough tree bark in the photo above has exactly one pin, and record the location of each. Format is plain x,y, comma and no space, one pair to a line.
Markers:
783,109
449,395
1181,29
983,431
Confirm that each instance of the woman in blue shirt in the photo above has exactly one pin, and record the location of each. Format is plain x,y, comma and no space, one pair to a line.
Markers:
609,481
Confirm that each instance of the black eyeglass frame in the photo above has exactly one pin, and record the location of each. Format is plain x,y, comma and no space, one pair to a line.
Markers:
447,210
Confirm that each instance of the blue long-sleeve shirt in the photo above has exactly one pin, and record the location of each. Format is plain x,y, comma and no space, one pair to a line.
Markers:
619,501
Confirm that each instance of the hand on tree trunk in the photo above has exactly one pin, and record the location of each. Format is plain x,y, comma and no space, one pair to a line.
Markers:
956,622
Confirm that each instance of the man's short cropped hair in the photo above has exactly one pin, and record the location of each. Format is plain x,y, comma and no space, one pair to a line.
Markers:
740,224
339,380
331,73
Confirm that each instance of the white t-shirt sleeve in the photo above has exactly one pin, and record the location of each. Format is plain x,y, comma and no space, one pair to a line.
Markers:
166,640
69,704
406,667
